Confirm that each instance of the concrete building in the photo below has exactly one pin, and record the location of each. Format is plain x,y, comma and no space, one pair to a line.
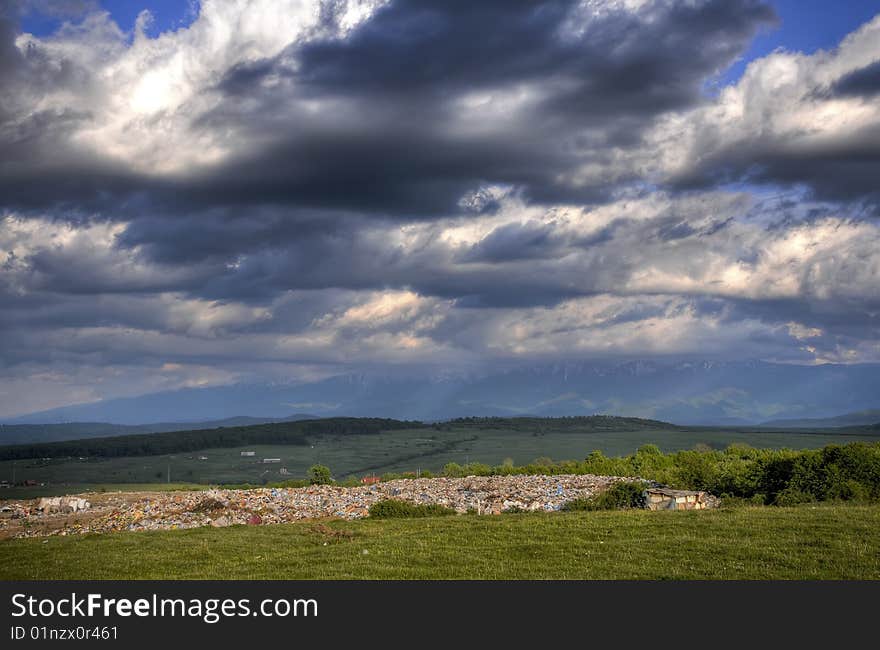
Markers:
668,499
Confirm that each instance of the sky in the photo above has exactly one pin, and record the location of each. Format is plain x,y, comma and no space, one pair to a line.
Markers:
196,194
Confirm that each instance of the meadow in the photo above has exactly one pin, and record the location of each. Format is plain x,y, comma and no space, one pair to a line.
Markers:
414,449
818,541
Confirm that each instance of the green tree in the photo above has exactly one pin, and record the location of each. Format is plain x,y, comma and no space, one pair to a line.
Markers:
453,470
320,475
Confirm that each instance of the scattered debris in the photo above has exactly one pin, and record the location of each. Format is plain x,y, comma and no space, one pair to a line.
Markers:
121,511
210,504
62,504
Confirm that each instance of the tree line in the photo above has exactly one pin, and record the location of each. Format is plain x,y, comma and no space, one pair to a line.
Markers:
172,442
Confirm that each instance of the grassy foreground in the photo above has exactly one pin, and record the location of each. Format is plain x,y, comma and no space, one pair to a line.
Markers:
806,542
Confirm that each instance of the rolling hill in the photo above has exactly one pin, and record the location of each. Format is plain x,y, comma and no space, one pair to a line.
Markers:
858,419
149,444
21,434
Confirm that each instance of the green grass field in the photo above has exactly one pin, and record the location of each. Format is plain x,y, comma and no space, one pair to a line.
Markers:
810,542
393,451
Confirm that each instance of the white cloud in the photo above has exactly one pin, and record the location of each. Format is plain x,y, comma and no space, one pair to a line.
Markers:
783,105
144,93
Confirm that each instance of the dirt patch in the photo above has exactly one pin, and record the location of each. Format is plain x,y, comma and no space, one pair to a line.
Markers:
325,534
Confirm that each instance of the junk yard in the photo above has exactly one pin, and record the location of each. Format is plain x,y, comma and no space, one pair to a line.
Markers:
132,511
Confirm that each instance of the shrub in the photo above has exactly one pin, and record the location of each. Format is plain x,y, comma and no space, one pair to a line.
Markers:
476,469
852,471
792,497
649,450
620,496
397,509
453,470
776,473
320,475
737,476
696,470
849,490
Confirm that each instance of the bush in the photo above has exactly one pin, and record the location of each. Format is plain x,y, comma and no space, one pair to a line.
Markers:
698,470
792,497
620,496
649,450
453,470
849,490
476,469
397,509
320,475
738,476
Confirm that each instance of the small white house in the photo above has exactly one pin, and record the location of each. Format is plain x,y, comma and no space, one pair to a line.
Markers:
248,453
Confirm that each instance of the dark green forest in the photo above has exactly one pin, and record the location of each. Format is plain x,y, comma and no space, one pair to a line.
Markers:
172,442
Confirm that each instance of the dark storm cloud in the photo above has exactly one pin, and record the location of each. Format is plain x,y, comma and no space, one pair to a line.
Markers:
521,264
864,82
382,166
393,138
40,169
220,235
843,170
514,241
795,121
597,82
837,323
360,260
641,62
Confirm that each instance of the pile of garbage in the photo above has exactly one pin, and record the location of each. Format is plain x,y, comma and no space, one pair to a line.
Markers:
135,511
49,505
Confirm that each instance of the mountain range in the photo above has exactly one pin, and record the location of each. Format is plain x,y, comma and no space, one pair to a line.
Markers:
860,418
13,434
694,392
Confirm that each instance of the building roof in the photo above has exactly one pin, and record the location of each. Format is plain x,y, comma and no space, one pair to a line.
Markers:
674,493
